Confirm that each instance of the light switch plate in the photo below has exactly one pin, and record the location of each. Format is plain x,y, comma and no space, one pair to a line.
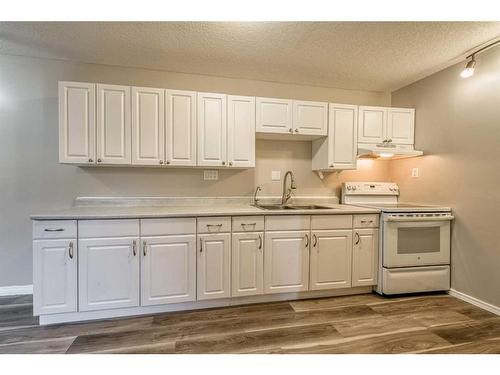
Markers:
211,175
275,175
414,173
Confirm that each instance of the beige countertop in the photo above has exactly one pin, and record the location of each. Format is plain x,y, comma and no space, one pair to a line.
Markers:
112,209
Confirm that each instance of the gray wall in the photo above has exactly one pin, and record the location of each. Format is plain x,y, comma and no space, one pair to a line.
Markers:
458,125
31,180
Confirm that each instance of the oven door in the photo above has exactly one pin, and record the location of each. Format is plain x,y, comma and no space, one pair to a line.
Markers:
416,241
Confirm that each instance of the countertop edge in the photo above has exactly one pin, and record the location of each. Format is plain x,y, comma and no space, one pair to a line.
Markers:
250,212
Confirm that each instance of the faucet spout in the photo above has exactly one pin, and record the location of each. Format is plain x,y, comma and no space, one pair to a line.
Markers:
287,192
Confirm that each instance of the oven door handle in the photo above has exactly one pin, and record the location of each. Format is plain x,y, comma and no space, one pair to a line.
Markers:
418,218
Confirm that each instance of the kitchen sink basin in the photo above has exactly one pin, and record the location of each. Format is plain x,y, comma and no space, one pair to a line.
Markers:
292,207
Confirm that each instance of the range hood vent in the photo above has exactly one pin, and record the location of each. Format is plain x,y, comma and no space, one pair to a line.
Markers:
383,151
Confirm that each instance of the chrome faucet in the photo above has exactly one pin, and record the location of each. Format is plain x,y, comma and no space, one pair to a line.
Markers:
287,193
255,200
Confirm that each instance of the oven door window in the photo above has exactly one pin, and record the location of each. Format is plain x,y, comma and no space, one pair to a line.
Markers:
419,240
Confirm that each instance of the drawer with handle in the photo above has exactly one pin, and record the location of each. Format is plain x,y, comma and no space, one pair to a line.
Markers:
366,221
54,229
248,223
218,224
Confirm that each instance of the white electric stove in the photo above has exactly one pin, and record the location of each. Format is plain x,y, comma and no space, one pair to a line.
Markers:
414,239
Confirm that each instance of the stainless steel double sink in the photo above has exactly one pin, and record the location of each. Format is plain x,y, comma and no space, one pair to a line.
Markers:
292,207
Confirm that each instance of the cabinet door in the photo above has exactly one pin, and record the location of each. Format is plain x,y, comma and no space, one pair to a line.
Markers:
77,122
148,126
181,128
113,125
168,269
54,276
212,129
273,115
214,266
401,126
241,131
331,254
372,124
343,136
310,118
247,264
286,261
108,273
365,257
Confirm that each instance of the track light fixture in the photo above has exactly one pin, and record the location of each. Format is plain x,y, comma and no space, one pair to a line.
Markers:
469,67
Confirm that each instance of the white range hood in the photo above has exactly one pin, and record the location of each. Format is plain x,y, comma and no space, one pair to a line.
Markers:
375,151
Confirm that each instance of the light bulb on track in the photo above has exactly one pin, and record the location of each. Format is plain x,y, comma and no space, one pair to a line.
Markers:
469,68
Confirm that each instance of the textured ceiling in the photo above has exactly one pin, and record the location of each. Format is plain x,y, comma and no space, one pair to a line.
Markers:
376,56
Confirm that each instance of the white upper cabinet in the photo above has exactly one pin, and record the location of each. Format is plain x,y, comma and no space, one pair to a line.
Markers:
274,115
77,122
241,131
181,128
148,126
339,149
113,125
372,124
310,118
401,126
212,130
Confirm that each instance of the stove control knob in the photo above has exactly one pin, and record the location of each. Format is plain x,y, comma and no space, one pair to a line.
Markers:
354,188
348,187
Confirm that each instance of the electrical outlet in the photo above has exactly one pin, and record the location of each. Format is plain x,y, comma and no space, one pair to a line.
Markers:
211,175
414,173
275,175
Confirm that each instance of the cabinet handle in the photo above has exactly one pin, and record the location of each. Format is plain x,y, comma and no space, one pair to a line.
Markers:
161,161
168,161
223,163
144,245
357,238
70,250
91,160
244,225
99,160
134,247
331,165
260,242
366,221
315,240
307,240
230,163
296,130
219,226
201,245
290,130
54,230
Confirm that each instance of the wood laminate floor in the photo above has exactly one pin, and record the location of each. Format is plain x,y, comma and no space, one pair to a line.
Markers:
365,323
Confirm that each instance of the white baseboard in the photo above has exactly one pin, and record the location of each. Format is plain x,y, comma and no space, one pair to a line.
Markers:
474,301
14,290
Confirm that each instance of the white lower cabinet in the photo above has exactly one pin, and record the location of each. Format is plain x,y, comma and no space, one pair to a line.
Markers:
214,266
331,254
365,257
286,261
108,273
54,276
247,276
168,269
